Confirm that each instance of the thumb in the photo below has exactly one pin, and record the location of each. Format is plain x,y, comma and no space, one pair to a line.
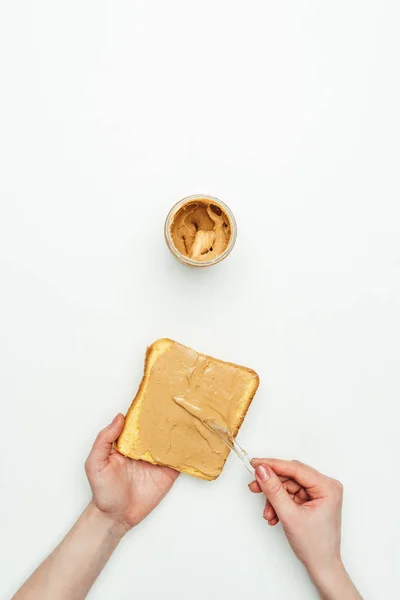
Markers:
103,443
274,491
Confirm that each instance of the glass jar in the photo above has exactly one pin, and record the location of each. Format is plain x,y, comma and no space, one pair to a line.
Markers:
218,207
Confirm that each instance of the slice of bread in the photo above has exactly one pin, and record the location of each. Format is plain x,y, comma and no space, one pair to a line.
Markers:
160,431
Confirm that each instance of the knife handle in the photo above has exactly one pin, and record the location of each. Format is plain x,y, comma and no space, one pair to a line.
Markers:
244,457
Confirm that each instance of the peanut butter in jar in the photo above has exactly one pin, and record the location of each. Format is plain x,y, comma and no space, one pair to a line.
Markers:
200,230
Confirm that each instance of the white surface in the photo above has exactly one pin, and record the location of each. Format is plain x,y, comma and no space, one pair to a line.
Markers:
287,111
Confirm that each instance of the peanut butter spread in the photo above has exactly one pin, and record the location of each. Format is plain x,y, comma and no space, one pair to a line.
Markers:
206,413
201,230
168,432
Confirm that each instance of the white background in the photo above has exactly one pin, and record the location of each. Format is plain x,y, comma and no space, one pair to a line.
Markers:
111,111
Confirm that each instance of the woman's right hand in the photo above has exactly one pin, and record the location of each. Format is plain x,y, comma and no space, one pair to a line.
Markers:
309,506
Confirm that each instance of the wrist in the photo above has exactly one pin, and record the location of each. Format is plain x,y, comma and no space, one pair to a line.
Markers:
320,572
114,527
333,582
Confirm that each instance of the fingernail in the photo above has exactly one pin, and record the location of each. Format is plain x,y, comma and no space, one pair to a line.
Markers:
115,419
263,473
265,513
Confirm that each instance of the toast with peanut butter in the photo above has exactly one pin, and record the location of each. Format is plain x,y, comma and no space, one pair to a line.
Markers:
158,430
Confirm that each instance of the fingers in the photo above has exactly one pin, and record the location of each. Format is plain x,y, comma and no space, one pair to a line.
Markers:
269,513
254,487
274,491
103,443
303,474
301,496
292,486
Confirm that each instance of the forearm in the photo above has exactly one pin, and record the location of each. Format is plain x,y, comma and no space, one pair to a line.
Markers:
72,568
335,584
